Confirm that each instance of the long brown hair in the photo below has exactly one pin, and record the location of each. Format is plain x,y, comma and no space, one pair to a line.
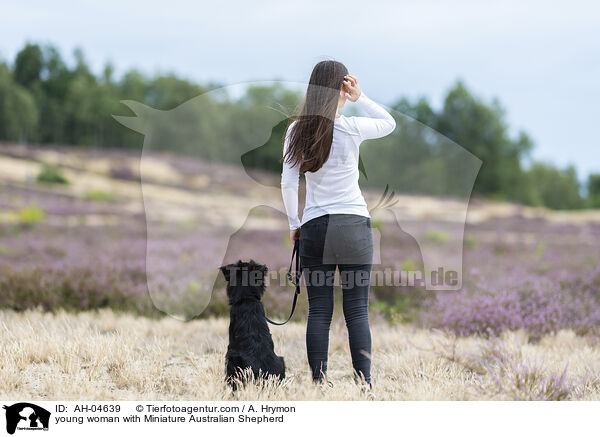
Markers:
311,136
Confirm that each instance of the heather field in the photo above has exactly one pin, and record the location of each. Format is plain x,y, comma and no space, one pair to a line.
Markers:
77,321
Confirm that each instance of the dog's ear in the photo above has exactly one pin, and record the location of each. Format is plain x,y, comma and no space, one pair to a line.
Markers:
259,273
255,267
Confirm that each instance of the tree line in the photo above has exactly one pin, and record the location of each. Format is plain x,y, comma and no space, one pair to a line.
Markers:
43,100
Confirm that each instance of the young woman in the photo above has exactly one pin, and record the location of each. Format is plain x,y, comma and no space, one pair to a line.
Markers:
335,231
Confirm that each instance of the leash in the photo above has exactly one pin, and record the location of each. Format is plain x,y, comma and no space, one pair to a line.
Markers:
294,279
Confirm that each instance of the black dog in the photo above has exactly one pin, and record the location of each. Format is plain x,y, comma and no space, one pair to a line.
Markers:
250,342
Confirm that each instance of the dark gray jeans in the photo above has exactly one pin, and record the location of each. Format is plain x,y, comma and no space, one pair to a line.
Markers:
342,241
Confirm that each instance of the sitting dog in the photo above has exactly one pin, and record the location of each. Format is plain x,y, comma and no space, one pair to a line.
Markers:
250,342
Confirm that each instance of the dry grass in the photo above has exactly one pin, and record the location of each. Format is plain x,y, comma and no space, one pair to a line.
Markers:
109,356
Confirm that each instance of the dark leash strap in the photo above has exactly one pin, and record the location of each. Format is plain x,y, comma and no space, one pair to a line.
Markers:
294,279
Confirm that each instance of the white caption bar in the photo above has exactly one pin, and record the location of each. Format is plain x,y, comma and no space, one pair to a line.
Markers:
100,418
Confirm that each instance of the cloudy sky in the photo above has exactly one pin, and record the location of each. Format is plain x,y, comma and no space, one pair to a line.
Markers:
540,58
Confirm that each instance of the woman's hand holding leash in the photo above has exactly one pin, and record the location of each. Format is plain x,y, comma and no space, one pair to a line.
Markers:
295,234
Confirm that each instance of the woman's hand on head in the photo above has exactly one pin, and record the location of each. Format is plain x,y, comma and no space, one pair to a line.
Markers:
295,234
351,88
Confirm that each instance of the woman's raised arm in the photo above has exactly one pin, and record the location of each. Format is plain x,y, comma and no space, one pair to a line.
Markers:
379,122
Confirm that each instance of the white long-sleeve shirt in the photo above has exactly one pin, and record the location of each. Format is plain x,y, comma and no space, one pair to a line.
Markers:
334,189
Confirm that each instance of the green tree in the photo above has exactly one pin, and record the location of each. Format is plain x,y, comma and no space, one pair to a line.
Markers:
18,113
593,188
51,96
28,65
167,92
482,130
555,188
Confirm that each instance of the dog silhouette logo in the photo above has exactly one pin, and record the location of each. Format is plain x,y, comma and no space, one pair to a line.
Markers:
26,416
415,161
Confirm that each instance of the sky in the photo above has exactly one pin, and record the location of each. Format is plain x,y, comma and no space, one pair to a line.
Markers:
541,59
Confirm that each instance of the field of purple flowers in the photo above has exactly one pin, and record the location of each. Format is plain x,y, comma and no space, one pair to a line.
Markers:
81,245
